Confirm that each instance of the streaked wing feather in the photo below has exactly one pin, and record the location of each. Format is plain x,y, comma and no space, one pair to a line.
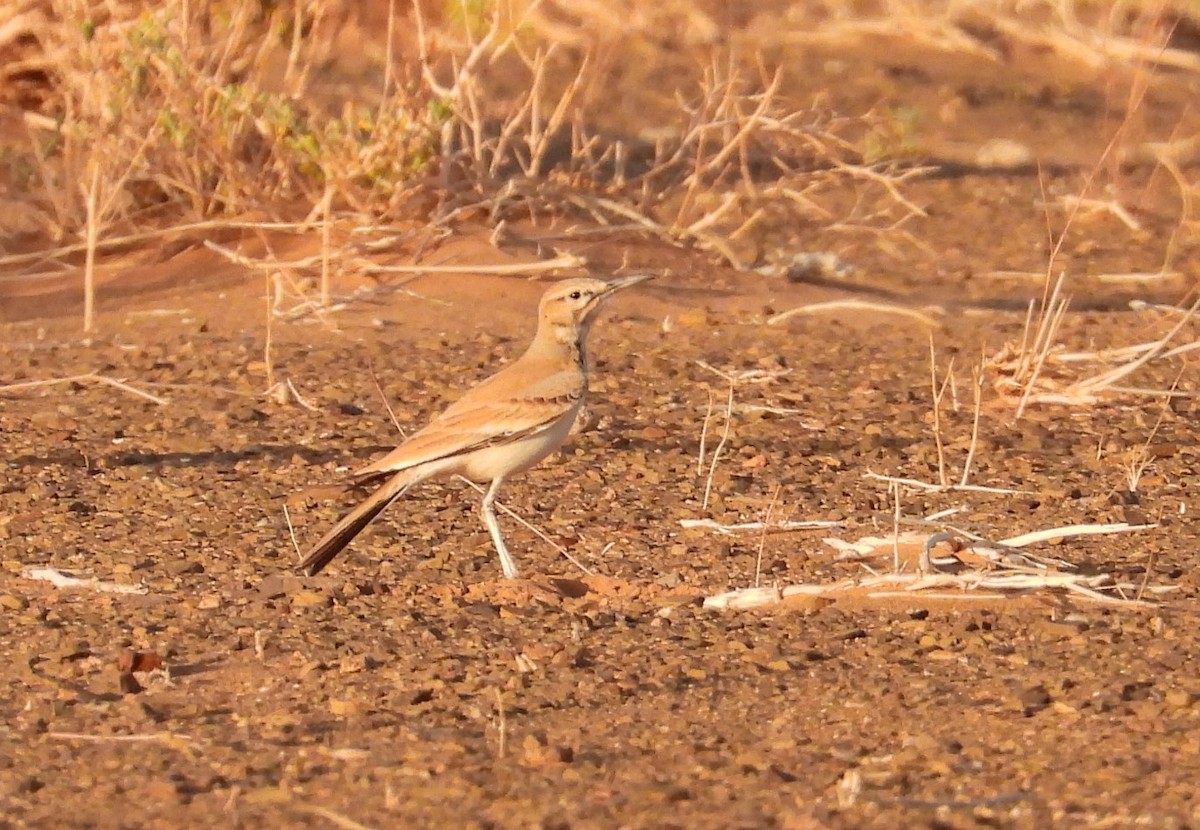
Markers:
460,430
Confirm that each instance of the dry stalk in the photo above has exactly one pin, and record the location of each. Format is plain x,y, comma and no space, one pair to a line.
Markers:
924,485
712,467
762,539
1095,50
1140,463
179,231
1068,531
91,377
1141,591
1109,206
287,517
563,261
1040,385
1030,358
704,434
1138,277
89,268
268,358
938,394
734,379
501,726
326,227
1048,321
977,392
894,488
1105,380
748,527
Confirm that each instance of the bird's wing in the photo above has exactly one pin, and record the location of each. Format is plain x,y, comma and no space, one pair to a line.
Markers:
476,422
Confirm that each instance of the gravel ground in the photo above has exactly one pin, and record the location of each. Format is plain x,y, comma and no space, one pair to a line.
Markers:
409,685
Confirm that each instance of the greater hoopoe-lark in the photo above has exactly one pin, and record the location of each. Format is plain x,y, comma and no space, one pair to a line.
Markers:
506,424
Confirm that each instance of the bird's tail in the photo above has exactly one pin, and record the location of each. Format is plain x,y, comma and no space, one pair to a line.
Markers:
350,525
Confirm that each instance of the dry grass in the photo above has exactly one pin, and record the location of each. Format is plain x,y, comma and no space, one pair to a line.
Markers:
191,113
1039,370
187,112
1091,35
1032,371
180,117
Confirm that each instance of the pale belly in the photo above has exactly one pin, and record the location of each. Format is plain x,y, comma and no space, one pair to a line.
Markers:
505,460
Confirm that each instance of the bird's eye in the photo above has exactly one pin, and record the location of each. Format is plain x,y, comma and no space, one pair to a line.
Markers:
575,295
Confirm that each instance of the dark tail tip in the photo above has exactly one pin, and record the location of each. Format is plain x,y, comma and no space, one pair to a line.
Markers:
332,543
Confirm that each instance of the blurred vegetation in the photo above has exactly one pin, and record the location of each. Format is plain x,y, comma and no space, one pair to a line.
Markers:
667,115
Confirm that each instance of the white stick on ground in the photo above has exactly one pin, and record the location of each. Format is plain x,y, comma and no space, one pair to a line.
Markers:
909,585
60,579
1071,530
748,527
1001,580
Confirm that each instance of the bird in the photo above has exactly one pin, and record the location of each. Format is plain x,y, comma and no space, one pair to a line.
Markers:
503,426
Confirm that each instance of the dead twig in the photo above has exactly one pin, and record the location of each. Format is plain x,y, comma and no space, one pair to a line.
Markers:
762,539
749,527
560,262
90,377
942,488
977,392
1072,530
712,467
913,586
857,305
61,579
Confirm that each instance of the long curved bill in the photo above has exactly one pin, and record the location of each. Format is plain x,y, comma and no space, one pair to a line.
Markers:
626,282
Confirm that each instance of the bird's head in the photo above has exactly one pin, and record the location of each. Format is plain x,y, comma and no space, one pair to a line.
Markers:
571,305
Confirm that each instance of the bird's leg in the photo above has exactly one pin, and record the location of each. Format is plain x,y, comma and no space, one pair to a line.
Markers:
489,519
